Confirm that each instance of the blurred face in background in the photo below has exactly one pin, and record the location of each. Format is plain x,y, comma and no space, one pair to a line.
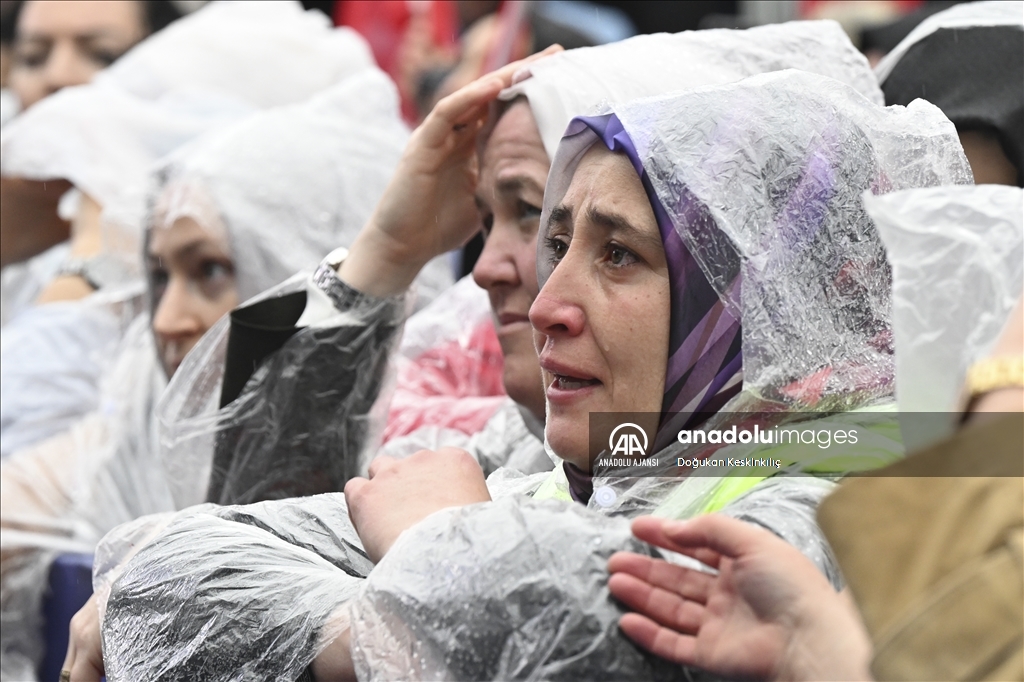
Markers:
192,285
510,193
61,43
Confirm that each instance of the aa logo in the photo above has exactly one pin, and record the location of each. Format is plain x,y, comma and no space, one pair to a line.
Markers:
628,439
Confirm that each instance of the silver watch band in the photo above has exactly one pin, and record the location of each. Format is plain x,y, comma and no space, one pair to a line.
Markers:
98,271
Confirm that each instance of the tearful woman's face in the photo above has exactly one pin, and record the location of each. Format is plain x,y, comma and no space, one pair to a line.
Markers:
601,320
192,285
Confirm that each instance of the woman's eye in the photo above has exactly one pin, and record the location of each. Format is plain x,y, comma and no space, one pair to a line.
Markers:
529,211
32,59
104,58
212,270
215,278
557,248
620,256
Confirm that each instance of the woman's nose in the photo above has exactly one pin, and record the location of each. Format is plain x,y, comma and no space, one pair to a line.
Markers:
175,316
559,309
65,67
496,266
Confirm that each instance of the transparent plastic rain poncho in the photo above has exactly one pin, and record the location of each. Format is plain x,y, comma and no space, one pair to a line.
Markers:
210,69
957,255
449,391
52,361
516,588
226,59
282,188
63,493
449,366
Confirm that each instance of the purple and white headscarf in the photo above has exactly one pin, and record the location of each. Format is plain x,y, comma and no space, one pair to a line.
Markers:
705,360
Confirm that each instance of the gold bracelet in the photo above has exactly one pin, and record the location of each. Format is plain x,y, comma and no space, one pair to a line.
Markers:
992,374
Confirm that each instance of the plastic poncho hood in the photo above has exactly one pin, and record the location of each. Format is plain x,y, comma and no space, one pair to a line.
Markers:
957,255
286,186
756,186
210,68
589,80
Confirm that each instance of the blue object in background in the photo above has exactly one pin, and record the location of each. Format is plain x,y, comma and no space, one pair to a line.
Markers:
601,23
70,587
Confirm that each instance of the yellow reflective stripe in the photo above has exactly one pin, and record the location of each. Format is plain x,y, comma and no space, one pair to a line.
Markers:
880,444
728,490
554,487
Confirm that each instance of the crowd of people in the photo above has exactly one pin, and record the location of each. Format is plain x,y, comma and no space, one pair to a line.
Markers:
307,343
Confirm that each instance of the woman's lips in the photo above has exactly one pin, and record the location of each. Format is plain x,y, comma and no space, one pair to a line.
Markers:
567,384
511,322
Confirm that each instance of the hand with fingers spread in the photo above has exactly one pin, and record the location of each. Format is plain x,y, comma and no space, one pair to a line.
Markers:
428,207
767,614
401,493
84,660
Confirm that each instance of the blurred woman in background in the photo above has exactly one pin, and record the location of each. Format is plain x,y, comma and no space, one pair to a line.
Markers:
60,43
214,238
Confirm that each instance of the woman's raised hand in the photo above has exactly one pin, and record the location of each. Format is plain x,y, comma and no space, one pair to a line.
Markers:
768,613
428,207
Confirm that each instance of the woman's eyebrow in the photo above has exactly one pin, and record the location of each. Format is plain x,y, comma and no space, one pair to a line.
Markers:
189,249
514,183
96,36
32,38
613,222
560,215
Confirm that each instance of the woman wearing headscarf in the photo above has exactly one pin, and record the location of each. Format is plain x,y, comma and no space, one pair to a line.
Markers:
969,62
517,586
214,238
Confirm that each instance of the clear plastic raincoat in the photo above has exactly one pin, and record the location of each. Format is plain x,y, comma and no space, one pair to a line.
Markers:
283,186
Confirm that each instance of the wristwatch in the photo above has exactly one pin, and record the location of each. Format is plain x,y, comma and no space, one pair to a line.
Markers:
98,271
335,258
326,280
